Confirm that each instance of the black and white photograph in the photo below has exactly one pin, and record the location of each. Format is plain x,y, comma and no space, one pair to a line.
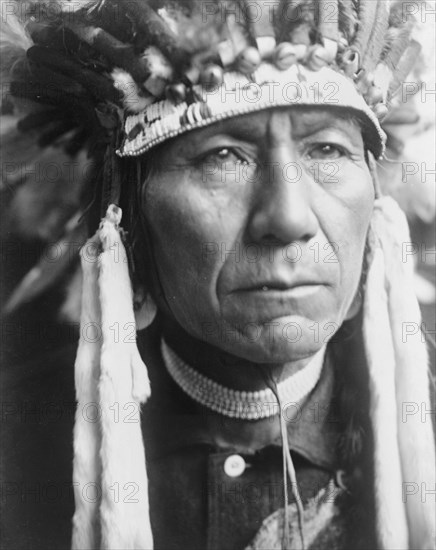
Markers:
218,275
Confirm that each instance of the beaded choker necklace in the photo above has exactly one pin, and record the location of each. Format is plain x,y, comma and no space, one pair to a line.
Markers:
247,405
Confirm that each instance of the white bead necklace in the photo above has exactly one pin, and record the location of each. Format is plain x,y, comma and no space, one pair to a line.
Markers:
247,405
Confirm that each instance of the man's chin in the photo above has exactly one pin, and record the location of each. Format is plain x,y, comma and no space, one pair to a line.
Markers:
279,340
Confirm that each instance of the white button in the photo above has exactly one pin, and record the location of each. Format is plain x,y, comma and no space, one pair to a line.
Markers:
234,465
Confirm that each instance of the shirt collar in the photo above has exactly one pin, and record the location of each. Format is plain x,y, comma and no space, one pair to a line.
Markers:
172,421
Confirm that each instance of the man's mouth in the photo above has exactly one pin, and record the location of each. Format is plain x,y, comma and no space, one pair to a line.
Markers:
280,286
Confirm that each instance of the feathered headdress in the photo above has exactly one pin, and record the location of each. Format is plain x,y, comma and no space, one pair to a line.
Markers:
115,79
99,76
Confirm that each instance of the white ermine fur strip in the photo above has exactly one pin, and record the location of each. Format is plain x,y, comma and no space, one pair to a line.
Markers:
123,386
87,439
391,520
416,438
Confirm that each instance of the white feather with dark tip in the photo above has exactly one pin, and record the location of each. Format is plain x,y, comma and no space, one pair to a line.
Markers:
14,42
161,71
134,99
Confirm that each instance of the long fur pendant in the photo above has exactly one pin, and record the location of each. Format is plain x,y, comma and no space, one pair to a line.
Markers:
415,431
111,384
399,378
123,386
391,517
87,436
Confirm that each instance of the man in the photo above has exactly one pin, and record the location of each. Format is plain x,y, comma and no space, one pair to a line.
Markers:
252,312
257,234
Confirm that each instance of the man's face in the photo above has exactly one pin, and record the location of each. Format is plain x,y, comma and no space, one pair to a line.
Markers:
258,228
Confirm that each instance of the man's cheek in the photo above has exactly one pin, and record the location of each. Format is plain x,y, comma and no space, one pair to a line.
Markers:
351,262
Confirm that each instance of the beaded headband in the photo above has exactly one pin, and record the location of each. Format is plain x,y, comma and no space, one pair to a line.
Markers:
267,87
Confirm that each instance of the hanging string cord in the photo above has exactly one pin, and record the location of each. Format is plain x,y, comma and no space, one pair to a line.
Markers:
295,491
288,470
286,539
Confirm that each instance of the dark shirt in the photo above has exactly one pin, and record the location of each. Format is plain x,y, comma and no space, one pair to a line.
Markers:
194,503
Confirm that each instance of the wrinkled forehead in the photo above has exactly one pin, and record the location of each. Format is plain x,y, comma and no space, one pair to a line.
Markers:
265,127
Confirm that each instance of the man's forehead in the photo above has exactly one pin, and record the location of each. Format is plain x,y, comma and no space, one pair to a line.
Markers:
300,122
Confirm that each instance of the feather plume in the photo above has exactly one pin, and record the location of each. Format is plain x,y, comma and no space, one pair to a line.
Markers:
53,264
382,78
160,71
367,19
328,15
196,35
134,99
396,42
375,43
158,64
86,5
347,19
297,14
20,150
14,38
14,42
152,29
405,65
299,11
170,18
47,186
70,309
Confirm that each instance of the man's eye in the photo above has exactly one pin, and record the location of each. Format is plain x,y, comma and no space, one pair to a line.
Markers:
223,153
220,156
326,151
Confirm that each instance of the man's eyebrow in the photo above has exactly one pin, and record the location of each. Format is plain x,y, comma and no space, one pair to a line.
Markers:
325,127
346,127
320,120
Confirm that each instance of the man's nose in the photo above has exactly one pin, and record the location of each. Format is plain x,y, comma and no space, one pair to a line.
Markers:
281,211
